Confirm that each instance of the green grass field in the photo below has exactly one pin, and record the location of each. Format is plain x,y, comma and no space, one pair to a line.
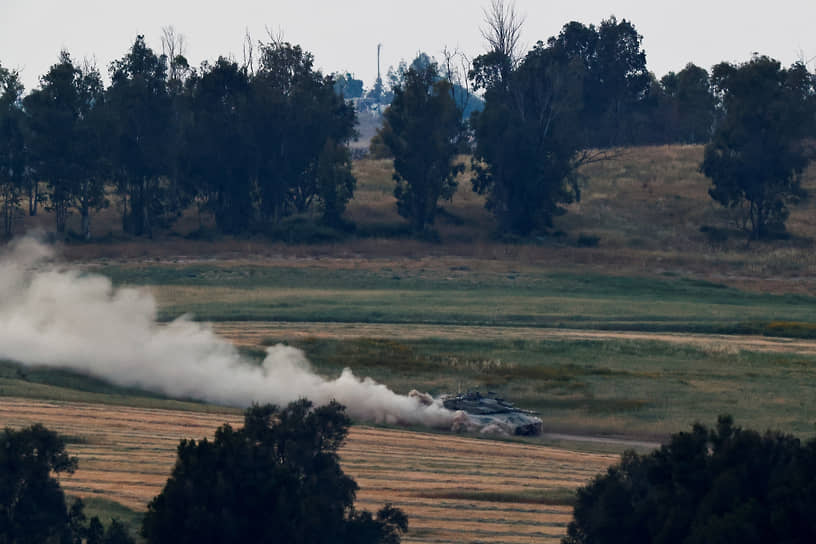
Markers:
465,297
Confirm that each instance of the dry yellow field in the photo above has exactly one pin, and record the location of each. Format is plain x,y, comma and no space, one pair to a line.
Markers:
126,454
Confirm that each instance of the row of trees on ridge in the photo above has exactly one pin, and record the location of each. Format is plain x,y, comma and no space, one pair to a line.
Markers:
254,143
250,147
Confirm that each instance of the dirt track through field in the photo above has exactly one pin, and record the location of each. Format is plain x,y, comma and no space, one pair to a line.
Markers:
252,333
126,454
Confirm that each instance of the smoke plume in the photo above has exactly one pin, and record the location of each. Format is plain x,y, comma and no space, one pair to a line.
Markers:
55,316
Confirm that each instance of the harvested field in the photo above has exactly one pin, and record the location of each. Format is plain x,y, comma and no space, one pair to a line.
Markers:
125,454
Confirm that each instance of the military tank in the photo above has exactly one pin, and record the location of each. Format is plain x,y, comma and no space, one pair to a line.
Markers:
490,415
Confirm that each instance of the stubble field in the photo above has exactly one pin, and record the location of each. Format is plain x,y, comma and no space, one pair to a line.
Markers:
453,489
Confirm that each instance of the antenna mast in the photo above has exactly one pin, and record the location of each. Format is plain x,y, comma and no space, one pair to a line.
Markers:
379,46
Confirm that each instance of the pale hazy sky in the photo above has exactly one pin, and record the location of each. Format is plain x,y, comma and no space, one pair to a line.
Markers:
344,35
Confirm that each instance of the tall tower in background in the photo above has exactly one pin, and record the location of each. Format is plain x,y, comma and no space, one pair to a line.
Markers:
379,46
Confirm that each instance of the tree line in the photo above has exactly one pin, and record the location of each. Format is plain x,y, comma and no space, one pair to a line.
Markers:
579,97
256,142
249,146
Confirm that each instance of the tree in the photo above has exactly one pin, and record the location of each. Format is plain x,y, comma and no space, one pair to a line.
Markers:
335,182
422,128
141,107
295,113
708,485
13,160
615,78
66,142
692,104
277,479
81,530
347,86
219,147
502,31
32,505
757,154
527,151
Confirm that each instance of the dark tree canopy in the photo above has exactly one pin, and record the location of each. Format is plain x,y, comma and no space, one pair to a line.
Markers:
422,128
758,152
296,114
612,65
691,104
718,485
278,479
32,505
218,144
66,143
526,151
12,148
142,108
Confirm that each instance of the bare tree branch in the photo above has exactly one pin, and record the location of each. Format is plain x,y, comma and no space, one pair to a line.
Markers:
502,30
173,46
456,66
248,48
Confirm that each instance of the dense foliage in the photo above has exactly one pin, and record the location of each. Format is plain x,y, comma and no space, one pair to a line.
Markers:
249,144
421,129
32,504
12,147
278,479
65,141
526,150
759,150
708,485
253,143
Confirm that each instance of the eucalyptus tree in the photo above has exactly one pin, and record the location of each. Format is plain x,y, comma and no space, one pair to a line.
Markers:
219,144
527,149
422,128
67,139
142,116
12,148
296,115
759,149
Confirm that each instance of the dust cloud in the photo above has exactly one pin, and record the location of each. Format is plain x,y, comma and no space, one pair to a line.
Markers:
55,316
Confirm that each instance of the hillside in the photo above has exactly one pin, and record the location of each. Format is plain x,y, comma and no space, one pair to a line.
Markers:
645,209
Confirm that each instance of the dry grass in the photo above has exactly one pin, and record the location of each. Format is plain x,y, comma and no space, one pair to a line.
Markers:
646,207
125,454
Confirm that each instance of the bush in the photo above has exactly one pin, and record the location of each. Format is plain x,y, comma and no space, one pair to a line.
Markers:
720,485
278,479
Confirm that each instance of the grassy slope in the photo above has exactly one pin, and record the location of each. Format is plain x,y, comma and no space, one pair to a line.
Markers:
646,207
